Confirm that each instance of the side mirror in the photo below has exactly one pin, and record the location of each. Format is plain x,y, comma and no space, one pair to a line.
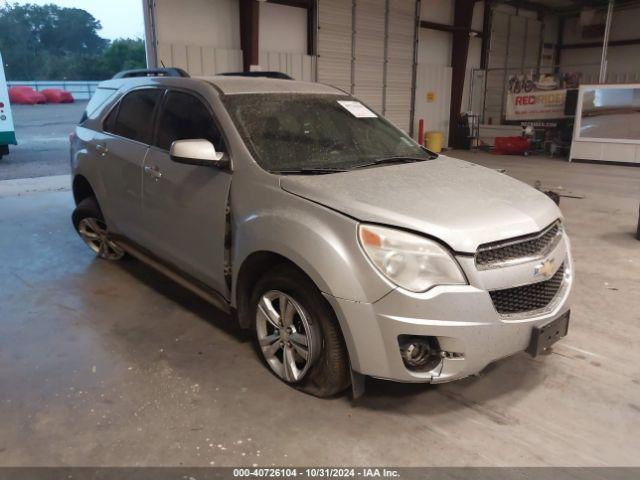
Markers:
197,152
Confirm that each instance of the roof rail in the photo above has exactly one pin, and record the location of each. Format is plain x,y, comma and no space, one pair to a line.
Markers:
272,74
152,72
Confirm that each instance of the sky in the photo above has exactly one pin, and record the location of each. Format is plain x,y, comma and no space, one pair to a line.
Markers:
119,18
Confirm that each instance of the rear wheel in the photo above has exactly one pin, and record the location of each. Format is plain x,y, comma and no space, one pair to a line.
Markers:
297,333
90,225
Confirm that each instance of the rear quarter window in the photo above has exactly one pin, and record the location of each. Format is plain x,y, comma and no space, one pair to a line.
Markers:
99,97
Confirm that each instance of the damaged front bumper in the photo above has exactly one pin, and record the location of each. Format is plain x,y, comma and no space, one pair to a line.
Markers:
469,331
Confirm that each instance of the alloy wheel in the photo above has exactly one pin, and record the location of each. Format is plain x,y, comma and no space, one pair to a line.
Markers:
94,233
286,335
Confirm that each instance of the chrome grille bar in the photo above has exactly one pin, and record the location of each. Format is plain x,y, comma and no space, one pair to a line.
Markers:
519,250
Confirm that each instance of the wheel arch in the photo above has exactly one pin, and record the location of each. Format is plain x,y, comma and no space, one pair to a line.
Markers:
82,189
253,267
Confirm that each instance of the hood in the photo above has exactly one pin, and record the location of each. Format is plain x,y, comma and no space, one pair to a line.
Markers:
460,203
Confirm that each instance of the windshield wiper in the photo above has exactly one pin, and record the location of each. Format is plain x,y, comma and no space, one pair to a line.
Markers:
395,159
309,171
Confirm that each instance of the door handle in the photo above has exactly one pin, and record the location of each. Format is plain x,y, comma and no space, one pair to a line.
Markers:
153,171
102,149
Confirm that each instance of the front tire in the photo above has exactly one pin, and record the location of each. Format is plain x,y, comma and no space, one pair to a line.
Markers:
297,334
90,225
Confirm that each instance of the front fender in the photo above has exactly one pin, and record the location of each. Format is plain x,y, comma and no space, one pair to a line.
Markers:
320,241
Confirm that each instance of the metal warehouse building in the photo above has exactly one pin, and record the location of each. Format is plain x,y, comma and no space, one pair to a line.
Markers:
410,60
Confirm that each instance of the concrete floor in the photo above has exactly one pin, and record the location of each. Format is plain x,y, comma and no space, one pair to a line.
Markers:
112,364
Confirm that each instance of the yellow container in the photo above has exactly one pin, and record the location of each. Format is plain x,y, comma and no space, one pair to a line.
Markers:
433,141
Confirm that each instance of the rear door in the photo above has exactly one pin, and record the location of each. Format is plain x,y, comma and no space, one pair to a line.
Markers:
121,151
184,206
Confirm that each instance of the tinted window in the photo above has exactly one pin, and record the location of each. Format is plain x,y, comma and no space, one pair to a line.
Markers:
110,122
185,117
135,116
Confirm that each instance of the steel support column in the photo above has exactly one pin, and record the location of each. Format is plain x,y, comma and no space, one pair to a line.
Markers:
559,46
486,34
605,44
462,17
312,18
150,44
414,67
249,24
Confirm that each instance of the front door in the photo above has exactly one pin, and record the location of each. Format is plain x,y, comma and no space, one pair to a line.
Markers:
184,206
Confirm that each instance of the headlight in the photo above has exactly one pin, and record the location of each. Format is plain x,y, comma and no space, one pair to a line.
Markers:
410,261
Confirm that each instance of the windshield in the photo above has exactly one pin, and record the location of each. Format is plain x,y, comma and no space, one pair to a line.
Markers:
293,132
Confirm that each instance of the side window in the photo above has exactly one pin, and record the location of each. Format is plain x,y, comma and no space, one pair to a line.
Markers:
109,124
185,117
134,115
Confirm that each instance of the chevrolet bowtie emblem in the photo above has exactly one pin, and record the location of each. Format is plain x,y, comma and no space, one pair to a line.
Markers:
545,269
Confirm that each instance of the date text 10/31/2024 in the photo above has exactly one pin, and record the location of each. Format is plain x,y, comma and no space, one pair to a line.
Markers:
325,472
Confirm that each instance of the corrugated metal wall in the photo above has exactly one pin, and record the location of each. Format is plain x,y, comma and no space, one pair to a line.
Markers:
335,32
299,66
366,47
495,79
200,60
369,45
400,59
433,97
514,48
203,38
204,61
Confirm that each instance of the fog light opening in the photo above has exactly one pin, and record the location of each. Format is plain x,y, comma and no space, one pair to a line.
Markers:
419,353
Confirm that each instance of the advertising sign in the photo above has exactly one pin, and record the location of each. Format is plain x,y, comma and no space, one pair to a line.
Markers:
536,105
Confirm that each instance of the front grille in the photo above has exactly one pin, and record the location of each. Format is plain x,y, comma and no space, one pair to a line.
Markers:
535,296
525,249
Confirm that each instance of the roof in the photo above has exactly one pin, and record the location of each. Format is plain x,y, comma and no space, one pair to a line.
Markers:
230,85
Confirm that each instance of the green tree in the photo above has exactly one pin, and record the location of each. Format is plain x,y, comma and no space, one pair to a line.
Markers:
70,31
47,42
124,54
18,42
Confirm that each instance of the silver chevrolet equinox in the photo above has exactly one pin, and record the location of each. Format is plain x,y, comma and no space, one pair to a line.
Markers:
347,249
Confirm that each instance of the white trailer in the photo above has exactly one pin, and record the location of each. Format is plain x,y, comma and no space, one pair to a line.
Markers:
7,132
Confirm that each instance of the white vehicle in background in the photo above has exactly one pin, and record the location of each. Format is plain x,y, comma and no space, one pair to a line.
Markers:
7,134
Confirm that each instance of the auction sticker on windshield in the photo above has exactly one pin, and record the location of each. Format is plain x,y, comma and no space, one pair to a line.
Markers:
357,109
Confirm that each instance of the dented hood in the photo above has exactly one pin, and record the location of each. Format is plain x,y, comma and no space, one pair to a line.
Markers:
462,204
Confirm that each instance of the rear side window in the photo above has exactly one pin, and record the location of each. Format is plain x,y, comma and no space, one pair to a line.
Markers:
109,124
100,96
185,117
134,115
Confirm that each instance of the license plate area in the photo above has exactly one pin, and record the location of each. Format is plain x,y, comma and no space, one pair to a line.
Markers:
544,336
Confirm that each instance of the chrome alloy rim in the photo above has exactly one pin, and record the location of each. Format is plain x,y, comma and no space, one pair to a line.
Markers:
285,335
94,234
